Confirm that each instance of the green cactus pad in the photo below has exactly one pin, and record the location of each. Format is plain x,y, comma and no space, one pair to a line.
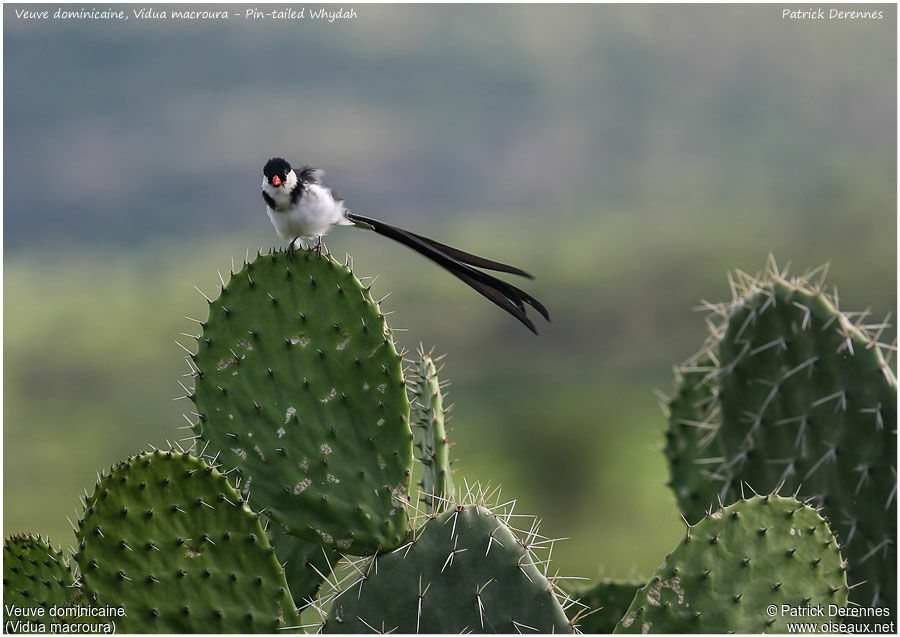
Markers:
734,565
606,602
35,576
305,563
431,447
165,537
465,571
693,449
300,388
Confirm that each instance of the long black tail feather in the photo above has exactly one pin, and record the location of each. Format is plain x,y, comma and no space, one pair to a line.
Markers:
472,259
458,263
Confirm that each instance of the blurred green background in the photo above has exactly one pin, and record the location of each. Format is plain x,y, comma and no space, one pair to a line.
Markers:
629,156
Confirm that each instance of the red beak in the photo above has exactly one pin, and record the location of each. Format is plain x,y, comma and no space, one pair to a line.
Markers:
276,180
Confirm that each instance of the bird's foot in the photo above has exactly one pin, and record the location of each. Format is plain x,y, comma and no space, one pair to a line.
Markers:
319,246
292,247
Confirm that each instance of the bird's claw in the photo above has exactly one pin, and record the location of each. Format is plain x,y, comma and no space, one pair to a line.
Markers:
291,249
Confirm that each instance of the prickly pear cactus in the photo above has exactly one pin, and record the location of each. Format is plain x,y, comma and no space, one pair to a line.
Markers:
735,564
35,575
168,539
693,449
431,447
810,402
602,605
807,403
298,385
464,571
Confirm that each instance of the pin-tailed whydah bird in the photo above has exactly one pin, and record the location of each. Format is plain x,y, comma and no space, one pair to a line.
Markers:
301,206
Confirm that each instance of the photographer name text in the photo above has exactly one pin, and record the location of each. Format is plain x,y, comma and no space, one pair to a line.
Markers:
831,14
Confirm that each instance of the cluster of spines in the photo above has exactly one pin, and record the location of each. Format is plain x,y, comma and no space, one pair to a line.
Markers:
350,575
851,325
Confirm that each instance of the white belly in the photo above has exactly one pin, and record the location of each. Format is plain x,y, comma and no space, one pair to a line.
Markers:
315,215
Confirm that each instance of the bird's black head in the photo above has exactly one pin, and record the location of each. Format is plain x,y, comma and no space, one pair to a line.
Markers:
276,170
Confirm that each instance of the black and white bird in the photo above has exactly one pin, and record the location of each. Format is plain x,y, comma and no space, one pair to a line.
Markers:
301,206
